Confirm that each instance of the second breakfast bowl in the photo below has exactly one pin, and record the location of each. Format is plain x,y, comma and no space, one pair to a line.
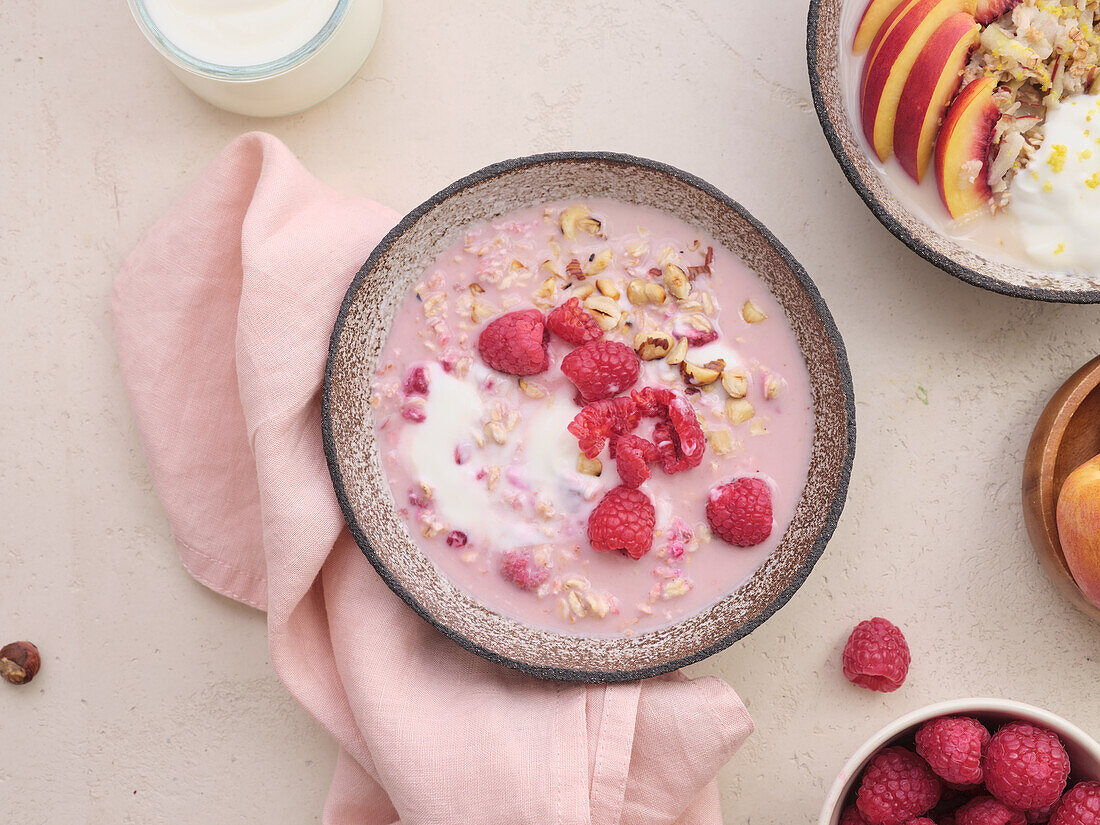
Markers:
1083,750
831,28
361,486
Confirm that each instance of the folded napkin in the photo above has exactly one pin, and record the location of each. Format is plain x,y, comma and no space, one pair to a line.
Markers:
222,317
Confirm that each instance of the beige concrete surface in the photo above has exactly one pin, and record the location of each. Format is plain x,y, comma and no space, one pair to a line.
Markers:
157,702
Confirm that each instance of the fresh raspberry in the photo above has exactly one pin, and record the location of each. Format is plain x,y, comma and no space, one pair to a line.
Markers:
876,656
520,569
416,381
954,746
897,786
516,343
573,324
632,455
1038,816
985,810
1081,806
601,369
852,816
456,538
1025,766
600,420
623,521
740,512
920,820
653,401
678,434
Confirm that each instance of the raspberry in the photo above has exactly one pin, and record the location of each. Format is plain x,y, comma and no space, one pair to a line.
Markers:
1037,816
920,820
985,810
623,521
456,538
1025,766
876,656
953,746
851,816
573,324
897,786
516,343
741,512
1081,806
520,569
600,420
632,455
416,381
601,369
653,401
678,434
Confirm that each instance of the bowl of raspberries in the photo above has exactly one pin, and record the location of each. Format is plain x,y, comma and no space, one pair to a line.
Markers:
971,762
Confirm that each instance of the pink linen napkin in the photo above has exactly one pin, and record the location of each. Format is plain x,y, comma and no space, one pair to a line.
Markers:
222,318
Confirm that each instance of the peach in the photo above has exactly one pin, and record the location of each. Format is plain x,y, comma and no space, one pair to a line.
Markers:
1079,527
891,58
990,10
963,148
871,23
931,84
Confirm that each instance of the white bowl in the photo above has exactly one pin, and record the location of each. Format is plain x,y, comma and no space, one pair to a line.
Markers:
1083,750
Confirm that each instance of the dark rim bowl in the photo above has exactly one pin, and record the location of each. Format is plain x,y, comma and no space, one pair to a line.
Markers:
823,43
361,330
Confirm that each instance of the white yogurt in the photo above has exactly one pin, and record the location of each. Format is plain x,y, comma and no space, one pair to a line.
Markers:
240,32
1057,196
263,58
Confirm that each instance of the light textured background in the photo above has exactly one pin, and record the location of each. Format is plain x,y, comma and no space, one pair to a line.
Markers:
157,702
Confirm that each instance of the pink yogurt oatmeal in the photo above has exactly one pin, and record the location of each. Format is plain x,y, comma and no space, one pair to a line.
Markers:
481,463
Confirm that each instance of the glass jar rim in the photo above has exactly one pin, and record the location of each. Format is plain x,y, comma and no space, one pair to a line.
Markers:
258,71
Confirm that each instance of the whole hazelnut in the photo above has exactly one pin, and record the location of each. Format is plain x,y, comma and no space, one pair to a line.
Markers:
19,662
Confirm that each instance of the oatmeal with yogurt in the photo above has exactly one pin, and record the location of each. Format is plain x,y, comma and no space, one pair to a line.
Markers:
996,102
593,418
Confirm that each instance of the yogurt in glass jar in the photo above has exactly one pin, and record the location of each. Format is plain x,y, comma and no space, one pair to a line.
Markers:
262,58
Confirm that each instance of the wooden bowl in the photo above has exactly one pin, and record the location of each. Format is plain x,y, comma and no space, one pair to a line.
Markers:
364,493
1065,437
831,27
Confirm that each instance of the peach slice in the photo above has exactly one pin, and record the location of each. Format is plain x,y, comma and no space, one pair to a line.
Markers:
963,148
893,54
990,10
871,23
933,81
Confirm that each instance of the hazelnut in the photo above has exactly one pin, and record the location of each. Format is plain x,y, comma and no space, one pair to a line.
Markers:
678,352
607,287
653,345
598,264
19,662
604,310
655,293
636,293
735,382
752,313
570,220
676,281
739,410
589,466
700,376
583,291
773,385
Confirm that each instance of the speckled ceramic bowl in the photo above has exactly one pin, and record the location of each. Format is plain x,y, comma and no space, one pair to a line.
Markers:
1084,752
361,330
823,44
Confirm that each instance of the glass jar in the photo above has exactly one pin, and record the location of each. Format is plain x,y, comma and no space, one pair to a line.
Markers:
303,78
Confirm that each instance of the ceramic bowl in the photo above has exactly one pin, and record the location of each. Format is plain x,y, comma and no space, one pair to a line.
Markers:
364,494
1083,750
1066,435
831,27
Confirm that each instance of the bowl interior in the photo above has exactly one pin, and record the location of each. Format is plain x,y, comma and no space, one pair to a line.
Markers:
831,27
1083,750
363,491
1065,437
